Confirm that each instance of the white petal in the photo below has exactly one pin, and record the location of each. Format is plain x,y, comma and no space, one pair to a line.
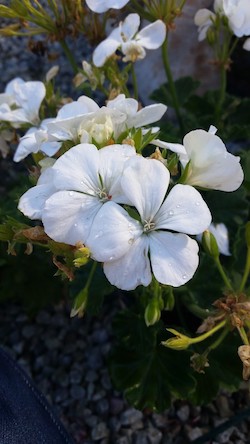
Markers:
31,203
31,97
202,16
246,45
104,50
112,160
174,257
90,105
147,115
175,147
130,26
145,182
153,35
100,6
184,210
27,145
73,109
77,169
220,233
112,233
67,216
125,105
132,269
211,165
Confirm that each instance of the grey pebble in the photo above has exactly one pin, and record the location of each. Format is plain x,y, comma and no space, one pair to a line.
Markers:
100,431
154,436
141,438
131,416
183,412
77,392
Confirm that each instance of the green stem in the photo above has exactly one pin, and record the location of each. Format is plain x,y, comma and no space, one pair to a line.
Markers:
171,84
219,340
223,274
91,274
243,335
246,271
208,333
222,94
134,80
69,55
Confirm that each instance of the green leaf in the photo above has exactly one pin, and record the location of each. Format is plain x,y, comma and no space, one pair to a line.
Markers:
148,373
225,370
229,208
185,87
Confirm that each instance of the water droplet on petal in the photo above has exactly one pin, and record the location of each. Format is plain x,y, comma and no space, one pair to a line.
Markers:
178,206
171,212
75,225
169,264
197,204
71,193
111,258
184,276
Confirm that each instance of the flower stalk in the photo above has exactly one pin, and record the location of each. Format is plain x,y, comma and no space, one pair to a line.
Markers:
171,85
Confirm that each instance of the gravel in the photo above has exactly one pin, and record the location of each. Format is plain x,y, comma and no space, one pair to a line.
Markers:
80,390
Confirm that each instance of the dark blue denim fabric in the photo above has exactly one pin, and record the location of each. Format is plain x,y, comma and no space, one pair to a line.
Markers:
25,415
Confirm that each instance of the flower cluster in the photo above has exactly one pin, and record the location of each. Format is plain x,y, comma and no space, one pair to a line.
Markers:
236,12
86,195
83,121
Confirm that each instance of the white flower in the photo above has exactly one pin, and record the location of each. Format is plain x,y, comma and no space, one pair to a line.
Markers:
130,42
103,5
37,139
125,244
238,14
21,101
220,233
83,179
211,166
83,121
204,20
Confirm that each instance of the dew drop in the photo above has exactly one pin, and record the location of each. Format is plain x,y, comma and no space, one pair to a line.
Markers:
129,225
197,204
184,276
111,258
75,225
178,206
169,264
71,193
171,213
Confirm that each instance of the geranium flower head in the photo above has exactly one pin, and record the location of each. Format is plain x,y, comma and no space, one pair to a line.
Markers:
83,179
210,164
130,42
125,244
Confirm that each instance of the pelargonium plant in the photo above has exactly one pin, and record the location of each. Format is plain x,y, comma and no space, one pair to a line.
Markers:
151,210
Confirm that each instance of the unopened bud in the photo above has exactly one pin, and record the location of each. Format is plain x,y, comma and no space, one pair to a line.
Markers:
82,256
210,244
152,313
179,342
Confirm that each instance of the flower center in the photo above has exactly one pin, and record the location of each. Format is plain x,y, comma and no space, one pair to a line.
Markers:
103,195
148,226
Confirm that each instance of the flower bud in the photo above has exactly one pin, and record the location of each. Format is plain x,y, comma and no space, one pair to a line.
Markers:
152,313
179,342
82,255
210,244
